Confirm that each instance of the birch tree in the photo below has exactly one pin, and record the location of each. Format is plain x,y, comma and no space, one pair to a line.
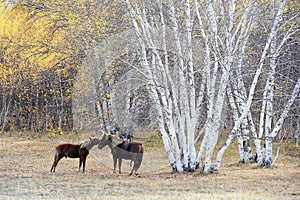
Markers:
228,51
174,97
173,86
191,54
272,48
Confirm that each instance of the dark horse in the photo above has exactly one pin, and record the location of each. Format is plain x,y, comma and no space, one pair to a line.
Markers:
80,151
123,150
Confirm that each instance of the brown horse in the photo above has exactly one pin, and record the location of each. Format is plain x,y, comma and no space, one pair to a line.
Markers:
80,151
123,150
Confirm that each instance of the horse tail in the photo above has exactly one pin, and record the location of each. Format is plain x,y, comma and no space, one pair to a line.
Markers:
54,161
55,154
141,149
140,154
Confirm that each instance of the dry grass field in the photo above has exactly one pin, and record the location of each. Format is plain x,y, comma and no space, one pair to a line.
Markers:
25,165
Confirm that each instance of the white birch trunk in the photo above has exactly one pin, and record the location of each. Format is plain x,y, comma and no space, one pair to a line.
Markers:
240,135
297,133
178,122
170,144
266,112
245,25
213,136
207,143
183,98
225,64
191,115
223,59
286,109
205,81
6,111
259,157
269,102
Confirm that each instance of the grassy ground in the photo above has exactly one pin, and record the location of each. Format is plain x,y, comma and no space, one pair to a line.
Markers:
25,165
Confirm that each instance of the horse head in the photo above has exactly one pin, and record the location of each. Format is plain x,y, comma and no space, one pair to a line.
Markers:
110,140
94,140
104,141
89,143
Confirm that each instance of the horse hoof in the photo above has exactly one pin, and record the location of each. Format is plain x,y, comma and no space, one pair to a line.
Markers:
130,174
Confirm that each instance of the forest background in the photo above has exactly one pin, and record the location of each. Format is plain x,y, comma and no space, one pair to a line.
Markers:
191,70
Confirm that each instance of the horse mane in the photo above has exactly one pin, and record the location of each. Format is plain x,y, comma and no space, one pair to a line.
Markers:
89,143
117,138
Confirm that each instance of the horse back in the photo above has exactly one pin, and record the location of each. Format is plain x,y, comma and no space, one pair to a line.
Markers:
71,150
133,147
128,150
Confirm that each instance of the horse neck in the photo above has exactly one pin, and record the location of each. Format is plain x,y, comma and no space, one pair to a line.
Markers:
95,142
91,144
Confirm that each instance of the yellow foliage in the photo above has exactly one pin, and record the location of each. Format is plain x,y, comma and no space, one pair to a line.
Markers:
42,46
28,40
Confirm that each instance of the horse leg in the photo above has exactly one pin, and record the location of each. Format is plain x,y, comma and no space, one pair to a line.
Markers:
120,164
54,164
84,159
83,153
57,157
137,166
139,159
52,167
80,162
115,162
134,167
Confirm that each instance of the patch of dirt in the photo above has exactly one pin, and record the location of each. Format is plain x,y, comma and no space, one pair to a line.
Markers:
25,165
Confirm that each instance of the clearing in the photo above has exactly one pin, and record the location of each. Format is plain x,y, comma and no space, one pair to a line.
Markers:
25,164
